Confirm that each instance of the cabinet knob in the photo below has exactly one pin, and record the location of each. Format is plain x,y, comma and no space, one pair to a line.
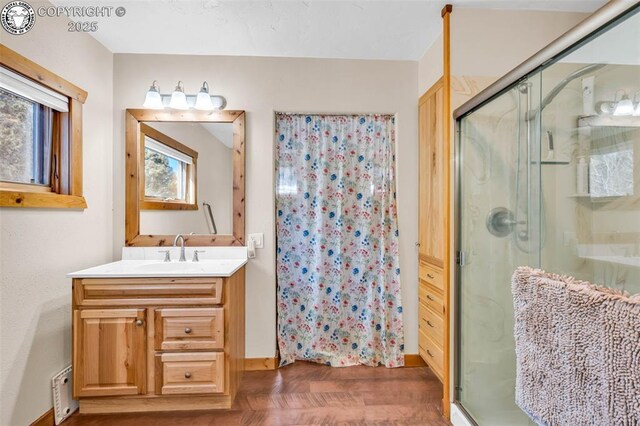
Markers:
429,322
429,297
430,276
139,322
187,375
429,352
187,330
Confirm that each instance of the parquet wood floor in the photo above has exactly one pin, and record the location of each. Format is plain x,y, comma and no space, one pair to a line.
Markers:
311,394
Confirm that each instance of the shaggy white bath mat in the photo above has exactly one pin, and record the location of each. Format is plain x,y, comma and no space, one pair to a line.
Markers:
577,350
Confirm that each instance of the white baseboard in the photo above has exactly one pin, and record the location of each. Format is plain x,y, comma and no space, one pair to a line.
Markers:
458,418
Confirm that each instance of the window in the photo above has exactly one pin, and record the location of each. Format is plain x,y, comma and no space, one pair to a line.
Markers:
40,136
169,172
165,172
25,140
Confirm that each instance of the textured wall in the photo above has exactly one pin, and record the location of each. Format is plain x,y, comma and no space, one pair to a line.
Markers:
264,85
39,246
489,42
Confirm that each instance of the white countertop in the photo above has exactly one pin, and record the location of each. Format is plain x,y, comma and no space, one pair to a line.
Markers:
147,262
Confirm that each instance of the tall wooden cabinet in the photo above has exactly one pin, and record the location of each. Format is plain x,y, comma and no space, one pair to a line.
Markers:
433,224
435,157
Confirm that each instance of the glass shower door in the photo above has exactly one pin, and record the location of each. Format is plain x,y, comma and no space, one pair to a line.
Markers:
499,231
549,177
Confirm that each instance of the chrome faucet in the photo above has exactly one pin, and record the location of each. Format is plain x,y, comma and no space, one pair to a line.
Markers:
183,258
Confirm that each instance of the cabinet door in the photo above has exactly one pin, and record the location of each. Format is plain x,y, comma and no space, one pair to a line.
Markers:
432,181
109,356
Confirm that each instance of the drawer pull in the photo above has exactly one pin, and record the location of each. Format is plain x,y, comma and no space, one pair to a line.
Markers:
187,330
430,298
187,375
430,354
429,324
430,276
139,322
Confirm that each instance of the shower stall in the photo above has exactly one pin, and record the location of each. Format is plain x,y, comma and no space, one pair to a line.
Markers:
547,175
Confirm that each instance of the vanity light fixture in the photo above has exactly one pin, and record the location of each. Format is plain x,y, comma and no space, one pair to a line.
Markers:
178,98
624,106
203,101
153,100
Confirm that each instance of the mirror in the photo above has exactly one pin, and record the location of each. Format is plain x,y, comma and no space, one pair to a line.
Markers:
185,175
188,178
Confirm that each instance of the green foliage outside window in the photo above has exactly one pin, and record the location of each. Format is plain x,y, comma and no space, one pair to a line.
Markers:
160,178
16,138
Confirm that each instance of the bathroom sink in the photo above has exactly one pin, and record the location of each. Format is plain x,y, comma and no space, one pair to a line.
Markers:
184,267
144,262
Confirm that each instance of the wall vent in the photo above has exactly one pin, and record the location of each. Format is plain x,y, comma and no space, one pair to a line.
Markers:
63,403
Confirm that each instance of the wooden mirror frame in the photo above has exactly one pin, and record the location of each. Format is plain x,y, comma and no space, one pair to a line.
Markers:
134,154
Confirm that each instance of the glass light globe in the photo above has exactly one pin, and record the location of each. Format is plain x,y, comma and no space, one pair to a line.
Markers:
624,106
153,100
178,98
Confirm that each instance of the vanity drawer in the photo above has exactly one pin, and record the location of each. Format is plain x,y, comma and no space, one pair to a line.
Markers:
431,297
432,354
431,323
431,275
147,291
189,329
189,373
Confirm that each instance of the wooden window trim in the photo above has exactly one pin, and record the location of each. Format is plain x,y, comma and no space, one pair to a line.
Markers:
66,185
149,203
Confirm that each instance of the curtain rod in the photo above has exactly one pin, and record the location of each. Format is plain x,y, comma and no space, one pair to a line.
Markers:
336,114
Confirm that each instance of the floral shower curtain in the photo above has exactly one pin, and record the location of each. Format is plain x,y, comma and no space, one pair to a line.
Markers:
337,250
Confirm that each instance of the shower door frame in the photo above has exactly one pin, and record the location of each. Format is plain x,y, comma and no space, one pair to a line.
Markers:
600,21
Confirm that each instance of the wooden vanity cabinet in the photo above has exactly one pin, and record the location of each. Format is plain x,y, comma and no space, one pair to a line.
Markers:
157,344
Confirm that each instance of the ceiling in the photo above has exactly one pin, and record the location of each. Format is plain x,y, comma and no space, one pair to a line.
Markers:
391,29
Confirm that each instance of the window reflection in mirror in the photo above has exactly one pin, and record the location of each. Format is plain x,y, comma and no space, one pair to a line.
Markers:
188,178
611,162
169,172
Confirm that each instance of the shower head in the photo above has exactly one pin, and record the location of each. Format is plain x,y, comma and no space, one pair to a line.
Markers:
558,88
